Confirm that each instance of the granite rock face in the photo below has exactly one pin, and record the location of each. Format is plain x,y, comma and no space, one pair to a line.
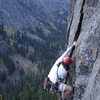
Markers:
84,27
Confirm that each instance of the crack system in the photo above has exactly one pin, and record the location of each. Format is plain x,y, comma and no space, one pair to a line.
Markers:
78,31
80,23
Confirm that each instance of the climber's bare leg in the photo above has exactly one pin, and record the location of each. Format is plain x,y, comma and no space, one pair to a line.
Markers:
67,92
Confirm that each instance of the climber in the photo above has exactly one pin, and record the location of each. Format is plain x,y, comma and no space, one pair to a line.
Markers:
54,81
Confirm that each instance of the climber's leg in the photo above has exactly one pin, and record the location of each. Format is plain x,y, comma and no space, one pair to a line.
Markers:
66,90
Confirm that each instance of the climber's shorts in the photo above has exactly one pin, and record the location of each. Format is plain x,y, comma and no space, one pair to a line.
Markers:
62,87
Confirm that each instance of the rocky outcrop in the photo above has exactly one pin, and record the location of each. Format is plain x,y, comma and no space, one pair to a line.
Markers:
84,27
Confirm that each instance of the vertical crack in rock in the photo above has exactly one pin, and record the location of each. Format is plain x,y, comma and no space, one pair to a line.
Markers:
80,23
76,34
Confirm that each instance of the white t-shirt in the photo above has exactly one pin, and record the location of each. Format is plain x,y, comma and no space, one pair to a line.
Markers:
54,75
61,70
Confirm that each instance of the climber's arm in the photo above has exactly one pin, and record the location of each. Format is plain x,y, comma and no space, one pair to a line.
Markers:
65,53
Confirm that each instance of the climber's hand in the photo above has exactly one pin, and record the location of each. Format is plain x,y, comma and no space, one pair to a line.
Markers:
74,43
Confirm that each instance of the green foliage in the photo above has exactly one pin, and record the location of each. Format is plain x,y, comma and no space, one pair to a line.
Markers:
2,32
8,62
27,92
2,76
32,90
44,55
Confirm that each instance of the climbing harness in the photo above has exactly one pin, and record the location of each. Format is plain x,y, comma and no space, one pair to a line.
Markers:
52,87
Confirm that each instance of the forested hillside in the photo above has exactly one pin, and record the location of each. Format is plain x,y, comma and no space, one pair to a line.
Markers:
32,35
